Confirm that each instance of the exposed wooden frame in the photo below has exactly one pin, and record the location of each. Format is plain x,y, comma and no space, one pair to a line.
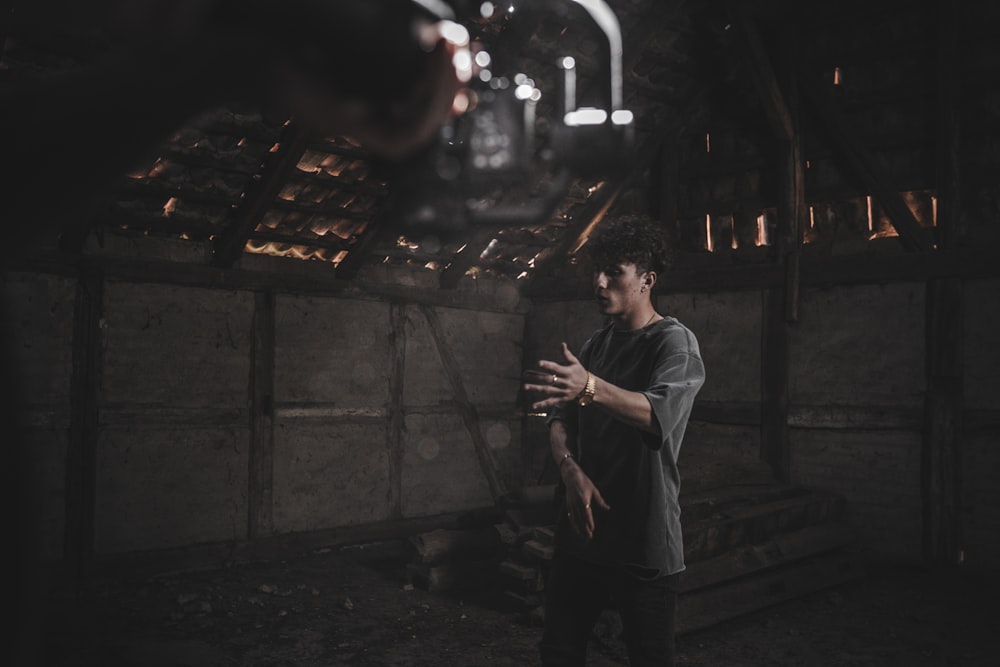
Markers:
81,454
941,470
260,195
465,406
395,427
856,157
261,474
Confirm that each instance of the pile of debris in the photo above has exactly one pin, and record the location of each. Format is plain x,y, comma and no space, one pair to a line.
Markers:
746,547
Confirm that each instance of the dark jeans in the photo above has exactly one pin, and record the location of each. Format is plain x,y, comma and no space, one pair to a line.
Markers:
577,592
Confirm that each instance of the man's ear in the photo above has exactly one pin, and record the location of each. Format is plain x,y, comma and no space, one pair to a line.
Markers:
650,279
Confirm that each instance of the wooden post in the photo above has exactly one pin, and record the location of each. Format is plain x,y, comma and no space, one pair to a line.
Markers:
394,430
774,434
945,404
780,305
81,456
942,450
261,474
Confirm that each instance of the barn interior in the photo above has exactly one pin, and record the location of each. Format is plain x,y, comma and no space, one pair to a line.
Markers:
236,341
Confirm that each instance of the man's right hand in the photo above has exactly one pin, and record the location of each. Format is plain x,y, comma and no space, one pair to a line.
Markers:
581,498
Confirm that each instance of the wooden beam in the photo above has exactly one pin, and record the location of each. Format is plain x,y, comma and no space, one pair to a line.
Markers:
468,410
467,258
377,233
768,91
951,222
775,364
260,495
941,469
260,195
299,278
81,455
854,155
394,431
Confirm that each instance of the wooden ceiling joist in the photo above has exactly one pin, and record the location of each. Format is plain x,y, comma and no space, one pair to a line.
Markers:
260,195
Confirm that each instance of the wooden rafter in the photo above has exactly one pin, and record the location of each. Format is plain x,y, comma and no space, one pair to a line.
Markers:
260,195
765,81
862,163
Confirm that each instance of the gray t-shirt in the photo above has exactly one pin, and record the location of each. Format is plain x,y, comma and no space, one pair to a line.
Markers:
636,472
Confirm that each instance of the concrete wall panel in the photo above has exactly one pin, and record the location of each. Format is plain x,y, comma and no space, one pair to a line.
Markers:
425,380
487,349
441,471
861,345
170,487
728,328
329,474
877,473
331,351
721,455
38,311
177,346
40,317
553,323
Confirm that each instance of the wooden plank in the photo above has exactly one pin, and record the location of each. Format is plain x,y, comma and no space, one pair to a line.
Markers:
260,195
717,274
775,363
443,544
701,609
261,474
768,91
952,226
852,417
394,442
782,549
728,412
538,551
81,454
739,526
941,471
454,575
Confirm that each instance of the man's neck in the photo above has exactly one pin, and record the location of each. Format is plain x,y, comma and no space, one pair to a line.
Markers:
636,319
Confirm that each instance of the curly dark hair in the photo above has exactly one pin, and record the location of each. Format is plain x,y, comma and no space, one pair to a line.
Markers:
633,238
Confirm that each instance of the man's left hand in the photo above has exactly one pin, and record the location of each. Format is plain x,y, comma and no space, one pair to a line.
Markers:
557,382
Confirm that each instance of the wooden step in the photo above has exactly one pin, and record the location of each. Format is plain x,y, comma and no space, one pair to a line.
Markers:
742,525
780,550
709,606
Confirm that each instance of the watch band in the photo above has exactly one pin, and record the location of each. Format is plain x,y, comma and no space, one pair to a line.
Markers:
586,397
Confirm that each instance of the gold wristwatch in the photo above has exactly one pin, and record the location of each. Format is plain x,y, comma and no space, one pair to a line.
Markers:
586,397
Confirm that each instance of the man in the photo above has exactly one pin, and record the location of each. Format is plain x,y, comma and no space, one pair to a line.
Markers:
618,415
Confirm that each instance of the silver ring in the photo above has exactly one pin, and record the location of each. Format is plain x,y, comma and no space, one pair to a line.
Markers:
554,378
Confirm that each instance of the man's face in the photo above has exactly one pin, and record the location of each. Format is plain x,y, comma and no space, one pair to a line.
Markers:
618,288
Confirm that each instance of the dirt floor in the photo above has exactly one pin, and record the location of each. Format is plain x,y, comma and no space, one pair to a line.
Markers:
352,606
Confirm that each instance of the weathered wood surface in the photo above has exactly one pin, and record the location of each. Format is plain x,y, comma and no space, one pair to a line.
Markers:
746,525
701,609
941,473
443,544
778,550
